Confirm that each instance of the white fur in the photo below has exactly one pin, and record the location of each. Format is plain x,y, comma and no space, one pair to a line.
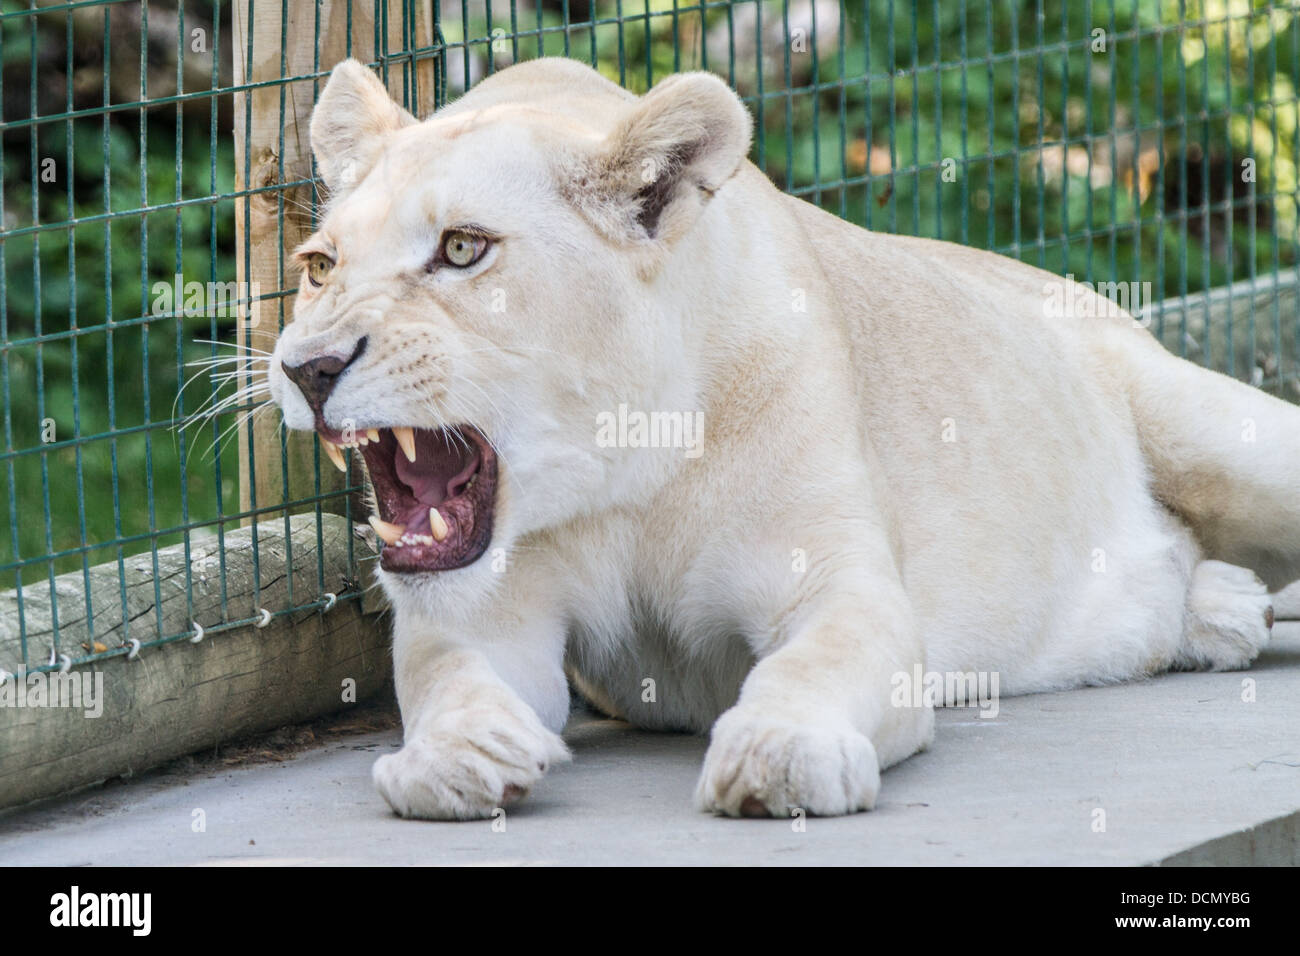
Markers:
829,537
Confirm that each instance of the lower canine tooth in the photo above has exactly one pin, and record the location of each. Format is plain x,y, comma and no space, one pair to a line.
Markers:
336,456
437,525
406,438
391,533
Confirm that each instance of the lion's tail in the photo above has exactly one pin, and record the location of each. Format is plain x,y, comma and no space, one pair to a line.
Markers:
1223,455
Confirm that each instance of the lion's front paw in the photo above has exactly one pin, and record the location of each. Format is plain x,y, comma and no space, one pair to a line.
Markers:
468,763
761,766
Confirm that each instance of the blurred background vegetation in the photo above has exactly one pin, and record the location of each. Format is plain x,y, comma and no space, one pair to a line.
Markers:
1132,140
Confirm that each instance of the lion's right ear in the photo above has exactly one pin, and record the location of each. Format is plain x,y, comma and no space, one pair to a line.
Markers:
350,123
661,164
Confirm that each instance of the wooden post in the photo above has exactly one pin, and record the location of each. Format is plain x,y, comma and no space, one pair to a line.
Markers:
272,148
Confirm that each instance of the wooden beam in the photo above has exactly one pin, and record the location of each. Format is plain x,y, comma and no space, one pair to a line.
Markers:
180,697
1249,330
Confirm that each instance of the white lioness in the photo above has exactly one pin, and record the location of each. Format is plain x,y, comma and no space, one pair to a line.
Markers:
907,461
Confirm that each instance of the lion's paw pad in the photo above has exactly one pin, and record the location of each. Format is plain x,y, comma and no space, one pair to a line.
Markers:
759,766
1229,617
467,766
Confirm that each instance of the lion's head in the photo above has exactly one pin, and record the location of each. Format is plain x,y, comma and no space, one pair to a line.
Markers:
485,282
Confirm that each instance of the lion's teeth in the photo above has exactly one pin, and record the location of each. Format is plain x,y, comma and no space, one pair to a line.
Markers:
437,525
391,533
406,438
372,434
335,455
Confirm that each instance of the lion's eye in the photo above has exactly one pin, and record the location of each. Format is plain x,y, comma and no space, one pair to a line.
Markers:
462,249
318,266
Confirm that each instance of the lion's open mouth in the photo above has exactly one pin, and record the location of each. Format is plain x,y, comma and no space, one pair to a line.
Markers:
436,491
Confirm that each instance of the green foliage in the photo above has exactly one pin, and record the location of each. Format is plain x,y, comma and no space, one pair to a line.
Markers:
1099,139
119,374
997,123
1094,155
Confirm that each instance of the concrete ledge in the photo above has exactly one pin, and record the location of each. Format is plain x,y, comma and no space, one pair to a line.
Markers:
1185,770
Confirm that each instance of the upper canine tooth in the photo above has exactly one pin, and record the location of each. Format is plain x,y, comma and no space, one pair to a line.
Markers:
336,456
406,438
372,434
391,533
437,525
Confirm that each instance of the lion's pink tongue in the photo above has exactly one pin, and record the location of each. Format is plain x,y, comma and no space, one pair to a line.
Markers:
423,482
437,473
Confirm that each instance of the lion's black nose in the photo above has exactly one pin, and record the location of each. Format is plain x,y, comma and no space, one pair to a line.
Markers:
317,377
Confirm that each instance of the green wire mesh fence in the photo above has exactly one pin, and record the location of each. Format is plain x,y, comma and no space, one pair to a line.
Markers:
1150,145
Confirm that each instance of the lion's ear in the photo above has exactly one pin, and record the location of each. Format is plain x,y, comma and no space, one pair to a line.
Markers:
662,163
350,123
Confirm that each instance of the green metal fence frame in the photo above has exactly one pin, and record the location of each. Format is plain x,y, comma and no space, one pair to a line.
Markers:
581,38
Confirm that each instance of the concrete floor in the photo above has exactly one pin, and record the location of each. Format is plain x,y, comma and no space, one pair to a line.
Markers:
1184,770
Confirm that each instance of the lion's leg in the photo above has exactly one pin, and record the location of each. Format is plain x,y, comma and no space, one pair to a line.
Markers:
1228,621
814,724
1192,613
1221,621
1223,455
481,708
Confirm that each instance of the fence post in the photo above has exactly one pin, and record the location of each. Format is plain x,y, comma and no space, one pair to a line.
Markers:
276,42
